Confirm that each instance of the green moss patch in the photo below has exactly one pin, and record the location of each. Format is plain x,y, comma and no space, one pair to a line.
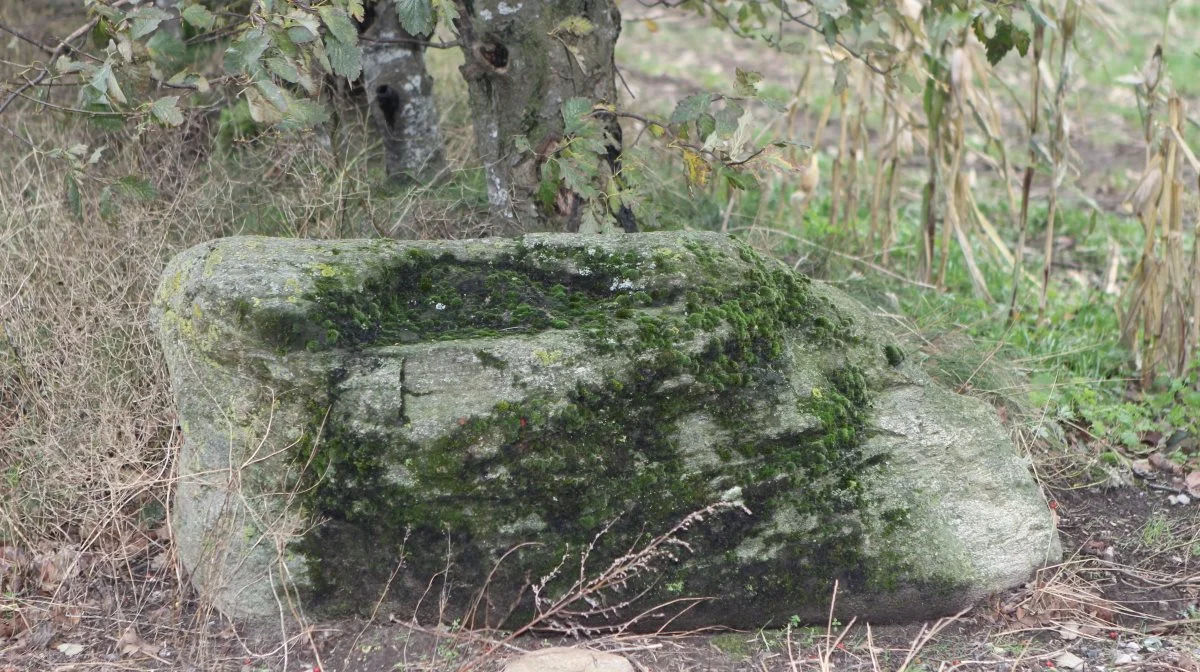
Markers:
699,330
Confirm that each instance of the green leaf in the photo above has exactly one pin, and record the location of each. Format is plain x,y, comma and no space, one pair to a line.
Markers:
289,72
300,35
690,108
282,42
746,82
166,111
578,179
272,93
573,112
345,60
339,24
167,49
1006,38
728,118
198,16
114,89
416,16
548,187
243,55
302,114
74,198
589,224
706,125
829,29
262,110
99,80
737,179
446,11
101,33
106,122
284,69
136,187
105,82
108,205
834,8
145,21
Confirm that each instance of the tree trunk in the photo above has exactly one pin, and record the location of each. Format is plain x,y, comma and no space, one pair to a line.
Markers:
400,96
523,59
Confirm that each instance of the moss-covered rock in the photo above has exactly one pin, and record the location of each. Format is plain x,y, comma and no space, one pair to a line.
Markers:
350,406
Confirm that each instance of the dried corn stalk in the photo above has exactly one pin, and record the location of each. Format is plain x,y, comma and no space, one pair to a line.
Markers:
1161,306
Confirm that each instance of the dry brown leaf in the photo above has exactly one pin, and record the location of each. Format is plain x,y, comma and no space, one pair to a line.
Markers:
1094,547
66,618
1192,483
1141,468
1164,464
55,568
131,644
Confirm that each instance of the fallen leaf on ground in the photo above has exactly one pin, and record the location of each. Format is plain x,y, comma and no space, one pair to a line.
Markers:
130,644
1068,661
1164,464
70,648
1141,468
1192,483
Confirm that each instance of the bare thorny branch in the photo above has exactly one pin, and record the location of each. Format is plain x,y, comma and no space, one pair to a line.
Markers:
590,589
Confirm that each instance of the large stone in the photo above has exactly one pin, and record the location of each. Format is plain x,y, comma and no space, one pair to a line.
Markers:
477,411
568,659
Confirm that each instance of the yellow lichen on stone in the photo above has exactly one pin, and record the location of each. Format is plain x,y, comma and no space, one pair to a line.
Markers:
210,264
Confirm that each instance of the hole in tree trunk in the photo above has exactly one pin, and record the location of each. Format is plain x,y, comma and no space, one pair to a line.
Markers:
495,54
389,103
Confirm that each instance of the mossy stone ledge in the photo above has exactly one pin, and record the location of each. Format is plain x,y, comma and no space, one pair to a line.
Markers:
495,406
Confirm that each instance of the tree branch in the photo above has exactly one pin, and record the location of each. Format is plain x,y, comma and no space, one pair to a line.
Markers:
411,40
59,50
24,38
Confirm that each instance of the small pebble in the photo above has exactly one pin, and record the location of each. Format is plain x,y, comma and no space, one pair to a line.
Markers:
1123,659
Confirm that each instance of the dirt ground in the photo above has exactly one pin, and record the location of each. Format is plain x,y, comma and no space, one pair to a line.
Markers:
1122,599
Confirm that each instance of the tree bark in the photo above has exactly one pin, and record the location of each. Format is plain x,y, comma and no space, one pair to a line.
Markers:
400,96
521,63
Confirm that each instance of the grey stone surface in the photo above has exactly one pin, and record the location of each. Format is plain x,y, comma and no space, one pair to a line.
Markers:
497,406
568,659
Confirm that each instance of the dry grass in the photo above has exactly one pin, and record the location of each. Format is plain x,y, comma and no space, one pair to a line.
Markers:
87,429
